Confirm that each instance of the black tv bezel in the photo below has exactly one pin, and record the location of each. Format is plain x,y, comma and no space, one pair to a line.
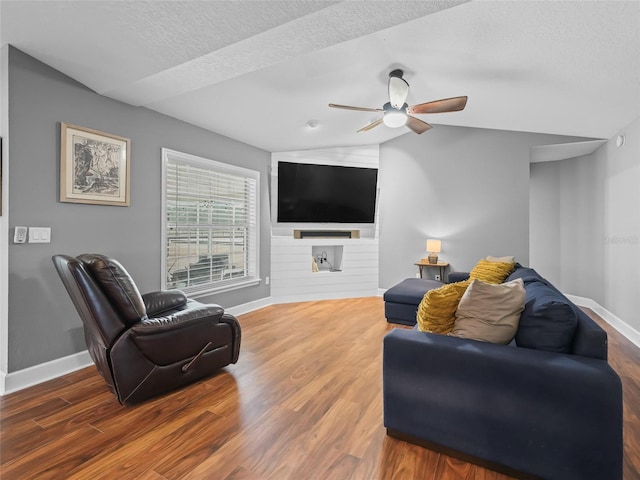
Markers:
301,221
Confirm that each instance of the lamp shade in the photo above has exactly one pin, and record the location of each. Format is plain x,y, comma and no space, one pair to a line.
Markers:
434,246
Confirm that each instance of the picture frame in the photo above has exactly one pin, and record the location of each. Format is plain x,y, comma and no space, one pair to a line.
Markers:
94,166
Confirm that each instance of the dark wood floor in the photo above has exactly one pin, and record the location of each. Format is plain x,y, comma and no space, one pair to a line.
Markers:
303,402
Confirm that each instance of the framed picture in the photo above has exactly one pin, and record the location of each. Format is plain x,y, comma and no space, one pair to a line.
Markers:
94,167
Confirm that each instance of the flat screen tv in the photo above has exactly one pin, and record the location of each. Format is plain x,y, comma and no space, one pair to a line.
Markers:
310,193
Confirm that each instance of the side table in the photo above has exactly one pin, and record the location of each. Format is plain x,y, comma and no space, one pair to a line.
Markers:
442,266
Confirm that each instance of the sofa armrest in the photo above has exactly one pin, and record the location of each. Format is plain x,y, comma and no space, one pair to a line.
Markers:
589,340
545,414
163,301
454,277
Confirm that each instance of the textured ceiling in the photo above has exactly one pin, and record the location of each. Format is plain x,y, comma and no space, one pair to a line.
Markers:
257,71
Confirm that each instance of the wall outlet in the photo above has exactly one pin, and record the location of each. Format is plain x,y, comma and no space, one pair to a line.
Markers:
437,277
266,280
20,235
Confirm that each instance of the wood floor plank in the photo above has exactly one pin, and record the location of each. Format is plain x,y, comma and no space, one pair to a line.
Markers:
55,459
35,408
196,445
14,403
403,461
132,459
242,473
303,402
322,446
151,475
249,442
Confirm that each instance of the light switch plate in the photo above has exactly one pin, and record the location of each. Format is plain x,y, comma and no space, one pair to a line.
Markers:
39,234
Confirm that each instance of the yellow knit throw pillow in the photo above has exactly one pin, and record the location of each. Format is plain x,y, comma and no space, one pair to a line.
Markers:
437,310
491,272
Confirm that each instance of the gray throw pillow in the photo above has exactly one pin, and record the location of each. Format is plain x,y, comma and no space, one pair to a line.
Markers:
490,312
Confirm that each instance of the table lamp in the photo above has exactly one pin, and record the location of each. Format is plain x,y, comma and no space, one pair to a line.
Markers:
433,247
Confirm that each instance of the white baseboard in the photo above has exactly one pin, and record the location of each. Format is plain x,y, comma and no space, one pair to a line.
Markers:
28,377
314,297
625,329
14,381
250,306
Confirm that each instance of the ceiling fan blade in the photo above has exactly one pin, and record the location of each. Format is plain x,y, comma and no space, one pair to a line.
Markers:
368,127
361,109
454,104
398,91
417,125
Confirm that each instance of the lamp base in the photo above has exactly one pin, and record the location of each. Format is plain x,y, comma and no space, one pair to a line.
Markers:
433,258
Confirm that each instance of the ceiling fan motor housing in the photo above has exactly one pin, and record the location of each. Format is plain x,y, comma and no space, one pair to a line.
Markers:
398,89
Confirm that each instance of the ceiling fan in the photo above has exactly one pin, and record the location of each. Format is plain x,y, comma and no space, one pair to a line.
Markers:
396,111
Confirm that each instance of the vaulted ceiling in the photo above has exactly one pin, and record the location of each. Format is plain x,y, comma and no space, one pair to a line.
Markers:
259,71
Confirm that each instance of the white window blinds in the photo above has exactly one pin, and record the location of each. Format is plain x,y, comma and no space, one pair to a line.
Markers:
210,224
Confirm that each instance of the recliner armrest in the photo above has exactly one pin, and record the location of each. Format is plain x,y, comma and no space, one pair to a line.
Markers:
237,334
181,319
180,336
163,301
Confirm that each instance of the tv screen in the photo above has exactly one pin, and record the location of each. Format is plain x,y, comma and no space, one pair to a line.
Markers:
326,193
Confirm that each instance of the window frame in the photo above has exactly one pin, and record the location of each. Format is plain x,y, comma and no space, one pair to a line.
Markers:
209,288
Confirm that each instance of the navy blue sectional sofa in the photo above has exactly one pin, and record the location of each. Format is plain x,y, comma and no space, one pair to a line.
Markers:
548,405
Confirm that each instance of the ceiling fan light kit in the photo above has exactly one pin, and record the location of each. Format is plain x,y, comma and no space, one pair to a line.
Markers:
396,111
393,117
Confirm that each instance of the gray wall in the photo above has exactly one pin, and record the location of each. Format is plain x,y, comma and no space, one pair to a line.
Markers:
595,225
544,220
468,187
620,244
43,324
567,223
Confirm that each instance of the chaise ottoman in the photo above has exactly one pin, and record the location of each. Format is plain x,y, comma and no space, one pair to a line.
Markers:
401,301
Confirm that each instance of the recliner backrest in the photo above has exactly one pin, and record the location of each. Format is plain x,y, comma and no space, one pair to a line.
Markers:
102,324
95,309
118,286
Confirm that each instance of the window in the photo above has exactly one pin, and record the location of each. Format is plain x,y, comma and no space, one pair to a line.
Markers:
210,224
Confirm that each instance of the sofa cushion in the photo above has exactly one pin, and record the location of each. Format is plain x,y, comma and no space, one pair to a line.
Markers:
436,312
491,272
490,312
527,275
548,321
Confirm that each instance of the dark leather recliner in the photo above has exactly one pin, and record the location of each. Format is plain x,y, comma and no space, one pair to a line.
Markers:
145,345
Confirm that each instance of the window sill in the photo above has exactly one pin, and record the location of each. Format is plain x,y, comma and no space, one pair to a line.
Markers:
214,289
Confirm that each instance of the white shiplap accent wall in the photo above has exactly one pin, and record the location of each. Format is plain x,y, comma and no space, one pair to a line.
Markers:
292,278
